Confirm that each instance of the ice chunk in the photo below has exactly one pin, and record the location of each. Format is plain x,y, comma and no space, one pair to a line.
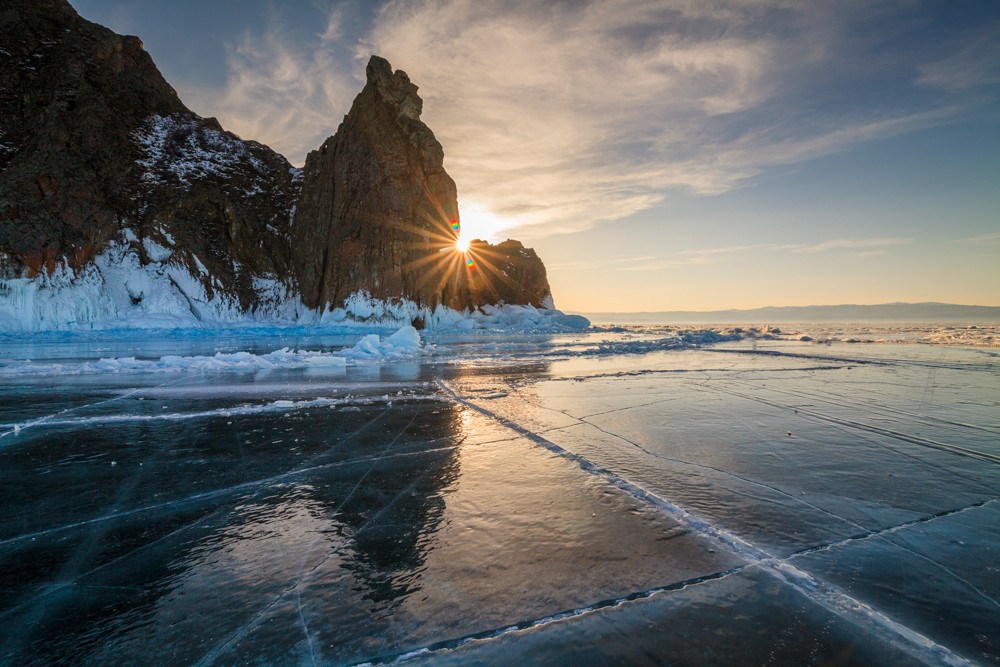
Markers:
402,344
406,337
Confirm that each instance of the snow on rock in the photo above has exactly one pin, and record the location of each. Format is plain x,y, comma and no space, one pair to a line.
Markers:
178,151
361,308
198,263
155,251
118,291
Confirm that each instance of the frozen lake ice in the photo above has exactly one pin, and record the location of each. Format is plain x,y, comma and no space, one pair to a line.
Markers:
613,496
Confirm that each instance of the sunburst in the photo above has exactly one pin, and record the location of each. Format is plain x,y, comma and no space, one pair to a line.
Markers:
456,264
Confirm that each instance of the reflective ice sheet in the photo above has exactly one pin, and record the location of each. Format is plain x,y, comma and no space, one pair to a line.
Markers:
500,500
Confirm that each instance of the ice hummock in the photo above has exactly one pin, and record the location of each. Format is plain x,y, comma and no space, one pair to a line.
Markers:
403,345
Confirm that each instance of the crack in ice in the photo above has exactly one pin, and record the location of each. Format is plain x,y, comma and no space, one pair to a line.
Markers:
528,624
221,649
905,437
826,595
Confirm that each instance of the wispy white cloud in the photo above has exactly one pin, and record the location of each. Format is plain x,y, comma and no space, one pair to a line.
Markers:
728,250
983,239
334,25
569,114
976,64
282,92
557,116
868,247
849,244
857,247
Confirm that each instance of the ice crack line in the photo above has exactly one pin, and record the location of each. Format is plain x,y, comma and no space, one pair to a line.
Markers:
302,469
799,355
49,419
871,428
585,420
494,633
829,399
882,533
295,586
826,595
255,485
687,371
215,494
281,406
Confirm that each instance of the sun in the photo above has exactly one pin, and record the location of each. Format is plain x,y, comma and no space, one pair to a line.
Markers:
478,222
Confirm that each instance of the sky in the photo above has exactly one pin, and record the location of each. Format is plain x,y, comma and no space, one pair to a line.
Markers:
658,155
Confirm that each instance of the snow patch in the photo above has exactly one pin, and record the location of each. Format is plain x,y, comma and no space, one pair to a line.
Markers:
360,307
118,291
155,251
178,150
201,267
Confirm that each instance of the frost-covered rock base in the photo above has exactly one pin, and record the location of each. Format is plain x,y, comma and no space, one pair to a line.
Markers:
118,290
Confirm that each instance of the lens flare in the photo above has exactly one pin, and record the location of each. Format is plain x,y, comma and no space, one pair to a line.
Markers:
469,263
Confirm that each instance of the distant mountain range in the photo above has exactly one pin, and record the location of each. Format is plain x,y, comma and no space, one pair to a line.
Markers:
883,312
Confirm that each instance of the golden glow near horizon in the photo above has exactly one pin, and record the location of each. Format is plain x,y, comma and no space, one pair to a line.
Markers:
479,222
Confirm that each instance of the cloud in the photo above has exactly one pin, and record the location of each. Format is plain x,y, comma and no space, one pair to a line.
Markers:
562,115
849,244
861,248
627,263
727,250
557,116
976,64
283,92
334,25
983,239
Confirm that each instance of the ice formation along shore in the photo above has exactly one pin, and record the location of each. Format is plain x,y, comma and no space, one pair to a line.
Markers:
118,291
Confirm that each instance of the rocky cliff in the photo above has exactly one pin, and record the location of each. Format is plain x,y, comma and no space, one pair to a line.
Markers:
376,202
379,207
95,142
98,155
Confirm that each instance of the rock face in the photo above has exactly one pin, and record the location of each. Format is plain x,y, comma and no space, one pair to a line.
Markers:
376,202
95,141
509,273
96,147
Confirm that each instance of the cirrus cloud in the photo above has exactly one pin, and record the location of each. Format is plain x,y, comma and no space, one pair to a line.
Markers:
567,114
558,116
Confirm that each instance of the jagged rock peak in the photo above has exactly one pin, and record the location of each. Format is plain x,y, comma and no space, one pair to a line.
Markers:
379,208
375,201
394,87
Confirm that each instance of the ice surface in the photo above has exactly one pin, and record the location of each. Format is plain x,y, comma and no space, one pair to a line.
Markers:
403,344
591,497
